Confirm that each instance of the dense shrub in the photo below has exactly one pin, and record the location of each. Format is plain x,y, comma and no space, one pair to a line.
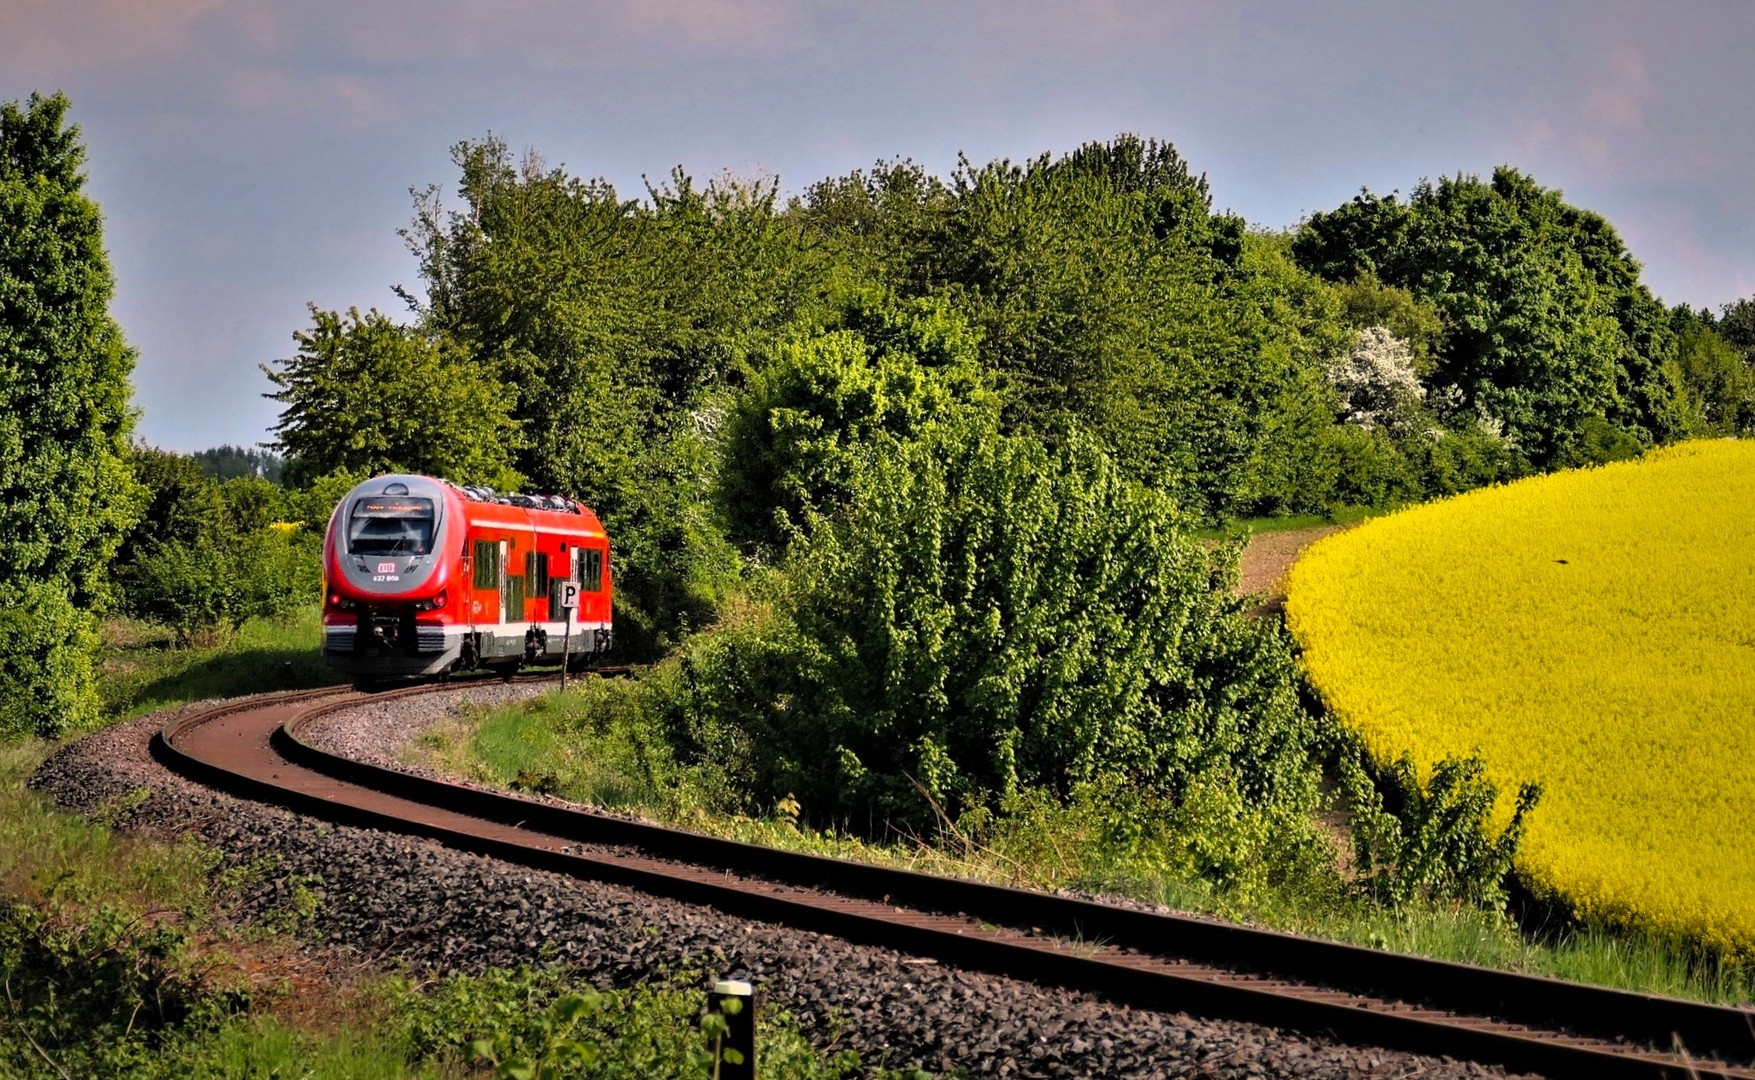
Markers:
991,617
798,436
94,996
46,686
214,586
1433,838
179,503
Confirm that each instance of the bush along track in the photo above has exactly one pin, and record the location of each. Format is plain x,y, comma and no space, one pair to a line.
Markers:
394,898
1228,970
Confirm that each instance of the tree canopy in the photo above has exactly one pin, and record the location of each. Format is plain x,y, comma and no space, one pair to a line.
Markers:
365,395
1547,327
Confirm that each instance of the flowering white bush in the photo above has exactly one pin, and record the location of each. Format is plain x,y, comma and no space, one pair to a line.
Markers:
1377,383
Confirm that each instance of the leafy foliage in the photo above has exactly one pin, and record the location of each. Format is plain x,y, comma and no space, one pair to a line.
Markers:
46,680
798,436
1546,324
930,638
205,557
1109,297
97,994
1431,838
613,323
179,504
214,585
64,419
1737,325
1367,302
1715,380
540,1023
368,396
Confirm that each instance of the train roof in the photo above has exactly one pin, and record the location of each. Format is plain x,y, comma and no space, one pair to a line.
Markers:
549,513
580,522
483,505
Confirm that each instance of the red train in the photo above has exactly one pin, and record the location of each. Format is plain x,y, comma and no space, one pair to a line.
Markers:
424,577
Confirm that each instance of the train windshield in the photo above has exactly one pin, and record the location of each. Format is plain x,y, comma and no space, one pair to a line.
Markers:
400,525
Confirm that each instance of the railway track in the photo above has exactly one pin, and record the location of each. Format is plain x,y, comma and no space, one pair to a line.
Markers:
1525,1023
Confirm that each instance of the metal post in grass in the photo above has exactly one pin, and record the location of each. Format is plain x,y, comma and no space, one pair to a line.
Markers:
569,597
731,1028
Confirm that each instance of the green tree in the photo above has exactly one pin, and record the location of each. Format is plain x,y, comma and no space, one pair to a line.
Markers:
179,503
368,396
1548,328
65,492
227,462
1737,326
1715,385
1110,297
619,325
798,436
1367,302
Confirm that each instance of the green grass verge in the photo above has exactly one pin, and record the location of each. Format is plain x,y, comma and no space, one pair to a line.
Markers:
594,746
1246,527
140,669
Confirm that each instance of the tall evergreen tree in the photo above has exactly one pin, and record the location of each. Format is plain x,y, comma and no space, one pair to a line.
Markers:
65,491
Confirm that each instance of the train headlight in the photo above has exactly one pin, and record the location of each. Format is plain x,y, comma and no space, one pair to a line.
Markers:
433,603
341,603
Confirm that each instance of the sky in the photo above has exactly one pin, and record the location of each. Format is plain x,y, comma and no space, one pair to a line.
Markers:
253,157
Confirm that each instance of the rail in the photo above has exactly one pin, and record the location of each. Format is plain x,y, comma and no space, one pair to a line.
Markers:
1148,959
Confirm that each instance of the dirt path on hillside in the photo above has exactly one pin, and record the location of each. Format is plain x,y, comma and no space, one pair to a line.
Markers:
1269,556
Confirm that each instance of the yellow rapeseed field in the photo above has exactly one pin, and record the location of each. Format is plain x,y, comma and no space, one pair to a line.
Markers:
1593,631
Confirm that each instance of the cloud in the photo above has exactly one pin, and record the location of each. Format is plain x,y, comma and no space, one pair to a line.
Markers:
347,101
554,34
49,39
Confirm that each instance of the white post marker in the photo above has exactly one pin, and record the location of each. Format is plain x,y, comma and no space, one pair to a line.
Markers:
569,602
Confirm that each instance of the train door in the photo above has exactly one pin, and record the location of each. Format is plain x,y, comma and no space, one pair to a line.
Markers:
508,613
484,575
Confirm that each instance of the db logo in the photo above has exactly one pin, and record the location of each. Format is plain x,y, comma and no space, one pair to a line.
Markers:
386,568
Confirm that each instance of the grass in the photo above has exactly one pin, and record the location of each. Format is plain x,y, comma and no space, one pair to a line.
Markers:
1247,527
593,748
140,670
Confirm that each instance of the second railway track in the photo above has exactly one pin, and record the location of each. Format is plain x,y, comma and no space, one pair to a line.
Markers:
1525,1023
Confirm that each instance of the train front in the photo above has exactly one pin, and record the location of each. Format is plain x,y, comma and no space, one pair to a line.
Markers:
390,569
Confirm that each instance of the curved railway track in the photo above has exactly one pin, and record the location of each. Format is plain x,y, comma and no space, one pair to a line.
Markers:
1525,1023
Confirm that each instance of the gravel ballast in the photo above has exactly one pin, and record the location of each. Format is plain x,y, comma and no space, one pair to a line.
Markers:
399,899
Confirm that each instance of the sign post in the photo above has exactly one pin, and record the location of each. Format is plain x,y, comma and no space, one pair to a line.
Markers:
569,597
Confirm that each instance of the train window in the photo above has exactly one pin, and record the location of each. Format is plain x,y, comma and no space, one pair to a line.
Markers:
541,571
487,564
384,525
593,571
